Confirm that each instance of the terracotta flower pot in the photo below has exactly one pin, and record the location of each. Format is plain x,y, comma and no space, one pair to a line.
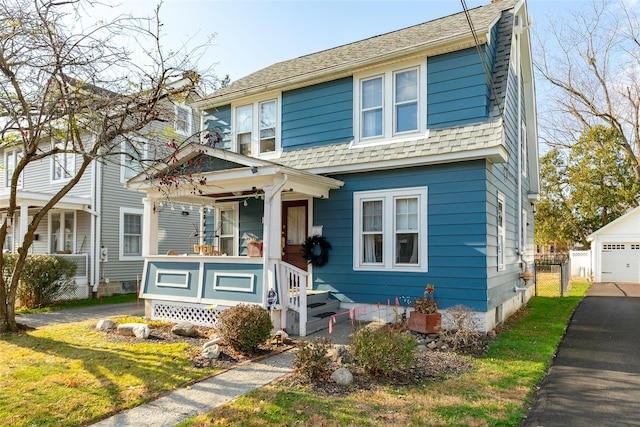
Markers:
425,323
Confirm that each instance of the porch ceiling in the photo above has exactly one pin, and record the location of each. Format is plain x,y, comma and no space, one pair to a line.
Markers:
35,199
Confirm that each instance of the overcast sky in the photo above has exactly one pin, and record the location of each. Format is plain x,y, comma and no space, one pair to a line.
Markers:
254,34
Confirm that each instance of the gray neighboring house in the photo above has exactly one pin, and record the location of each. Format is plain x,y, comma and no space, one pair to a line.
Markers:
99,222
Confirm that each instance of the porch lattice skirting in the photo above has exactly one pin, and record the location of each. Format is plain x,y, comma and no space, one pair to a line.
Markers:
196,314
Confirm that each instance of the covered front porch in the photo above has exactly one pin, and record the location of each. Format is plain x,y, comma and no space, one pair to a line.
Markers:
253,217
67,231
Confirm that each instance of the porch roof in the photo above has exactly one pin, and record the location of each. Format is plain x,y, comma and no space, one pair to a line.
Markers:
36,199
226,175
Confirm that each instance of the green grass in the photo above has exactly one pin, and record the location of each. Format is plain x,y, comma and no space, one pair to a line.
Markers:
71,375
495,392
115,299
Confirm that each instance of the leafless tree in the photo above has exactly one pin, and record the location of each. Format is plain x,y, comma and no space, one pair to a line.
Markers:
67,89
591,59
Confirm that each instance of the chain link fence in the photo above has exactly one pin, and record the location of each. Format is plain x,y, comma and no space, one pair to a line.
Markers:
552,274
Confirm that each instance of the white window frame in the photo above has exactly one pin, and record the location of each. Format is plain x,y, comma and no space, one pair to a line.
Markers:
127,163
182,107
231,206
501,222
255,145
129,211
388,198
67,161
61,236
13,155
388,75
523,148
9,242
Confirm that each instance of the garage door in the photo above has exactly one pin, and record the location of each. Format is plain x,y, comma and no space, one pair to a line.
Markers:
621,262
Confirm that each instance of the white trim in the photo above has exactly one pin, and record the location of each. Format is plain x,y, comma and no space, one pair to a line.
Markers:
250,276
176,273
129,211
501,232
255,126
388,75
15,154
388,198
182,106
124,157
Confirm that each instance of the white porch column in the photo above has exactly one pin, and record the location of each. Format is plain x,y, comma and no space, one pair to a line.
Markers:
149,228
24,223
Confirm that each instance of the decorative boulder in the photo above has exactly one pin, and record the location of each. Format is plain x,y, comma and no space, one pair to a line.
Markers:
106,325
185,329
340,354
211,352
214,341
342,376
138,330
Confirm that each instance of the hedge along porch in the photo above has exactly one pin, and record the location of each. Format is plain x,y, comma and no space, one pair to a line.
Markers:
246,197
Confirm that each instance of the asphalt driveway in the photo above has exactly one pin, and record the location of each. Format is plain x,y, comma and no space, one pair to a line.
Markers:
595,378
36,320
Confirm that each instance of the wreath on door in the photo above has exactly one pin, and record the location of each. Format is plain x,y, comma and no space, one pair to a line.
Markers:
315,250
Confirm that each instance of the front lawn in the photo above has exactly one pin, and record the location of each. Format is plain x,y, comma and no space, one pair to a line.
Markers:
70,374
495,392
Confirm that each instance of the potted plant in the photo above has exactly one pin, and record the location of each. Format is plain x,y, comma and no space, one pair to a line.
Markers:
254,246
425,317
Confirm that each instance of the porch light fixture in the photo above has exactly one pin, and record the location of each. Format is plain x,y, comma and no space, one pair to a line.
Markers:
254,169
245,202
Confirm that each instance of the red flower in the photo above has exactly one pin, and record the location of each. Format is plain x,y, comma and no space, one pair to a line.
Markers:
429,289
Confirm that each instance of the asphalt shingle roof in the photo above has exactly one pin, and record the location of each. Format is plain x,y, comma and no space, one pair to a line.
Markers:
365,51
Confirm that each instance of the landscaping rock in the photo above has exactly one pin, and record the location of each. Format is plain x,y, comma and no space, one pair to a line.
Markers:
432,345
342,376
341,354
214,341
422,348
211,352
185,329
138,330
106,325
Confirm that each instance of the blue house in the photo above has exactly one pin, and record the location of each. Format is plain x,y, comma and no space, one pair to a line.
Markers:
413,154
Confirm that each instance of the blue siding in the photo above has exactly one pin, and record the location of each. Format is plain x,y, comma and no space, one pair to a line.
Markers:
457,88
219,120
456,237
317,115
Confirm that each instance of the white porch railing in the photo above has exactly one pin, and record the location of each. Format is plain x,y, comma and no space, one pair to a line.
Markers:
294,284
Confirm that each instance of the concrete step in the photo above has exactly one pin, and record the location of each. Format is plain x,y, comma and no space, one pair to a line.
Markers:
316,296
315,323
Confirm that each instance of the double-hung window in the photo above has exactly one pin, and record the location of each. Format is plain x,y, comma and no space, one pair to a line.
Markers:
390,229
182,119
257,128
63,163
62,231
501,225
130,234
389,104
11,159
134,152
227,228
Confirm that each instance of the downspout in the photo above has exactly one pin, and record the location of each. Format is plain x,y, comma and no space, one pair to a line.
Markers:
92,244
268,198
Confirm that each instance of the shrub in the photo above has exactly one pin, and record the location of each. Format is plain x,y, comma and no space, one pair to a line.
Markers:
312,359
381,352
245,327
462,329
44,278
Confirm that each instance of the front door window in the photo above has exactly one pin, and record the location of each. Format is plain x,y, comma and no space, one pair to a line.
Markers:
294,232
62,232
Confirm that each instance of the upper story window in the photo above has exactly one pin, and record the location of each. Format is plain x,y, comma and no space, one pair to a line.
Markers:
257,128
390,229
389,104
63,165
11,159
182,120
131,163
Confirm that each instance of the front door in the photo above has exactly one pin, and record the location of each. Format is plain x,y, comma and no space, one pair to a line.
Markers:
294,232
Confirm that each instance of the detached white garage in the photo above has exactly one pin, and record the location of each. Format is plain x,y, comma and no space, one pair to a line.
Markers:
615,250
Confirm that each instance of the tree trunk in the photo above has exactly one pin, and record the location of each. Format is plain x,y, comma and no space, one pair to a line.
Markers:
8,316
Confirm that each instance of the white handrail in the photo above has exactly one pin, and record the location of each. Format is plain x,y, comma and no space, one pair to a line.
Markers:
294,284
